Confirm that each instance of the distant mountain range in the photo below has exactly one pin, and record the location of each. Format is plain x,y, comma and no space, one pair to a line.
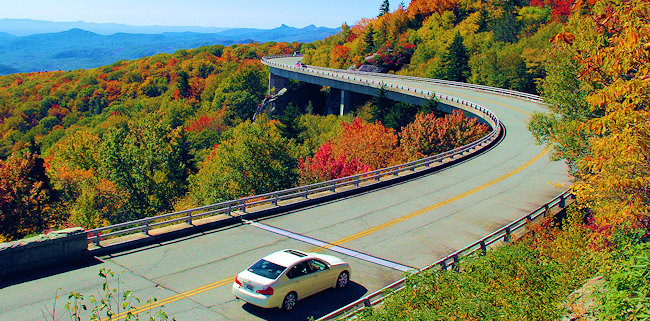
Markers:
26,27
78,48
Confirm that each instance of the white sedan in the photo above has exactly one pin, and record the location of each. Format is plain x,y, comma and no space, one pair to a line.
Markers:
282,278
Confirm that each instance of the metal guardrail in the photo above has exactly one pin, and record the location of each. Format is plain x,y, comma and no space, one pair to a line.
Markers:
500,91
230,208
503,234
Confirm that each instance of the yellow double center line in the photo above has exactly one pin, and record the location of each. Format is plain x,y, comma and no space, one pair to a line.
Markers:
427,209
174,298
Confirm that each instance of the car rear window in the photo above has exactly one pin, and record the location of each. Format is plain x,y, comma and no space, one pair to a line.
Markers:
267,269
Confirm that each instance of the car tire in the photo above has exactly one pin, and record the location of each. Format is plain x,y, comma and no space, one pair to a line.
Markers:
289,301
342,280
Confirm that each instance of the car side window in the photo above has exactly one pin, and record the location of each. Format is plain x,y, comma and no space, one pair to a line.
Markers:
299,269
317,265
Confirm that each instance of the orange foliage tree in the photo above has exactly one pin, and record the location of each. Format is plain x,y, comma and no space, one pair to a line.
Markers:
26,197
372,144
429,135
428,7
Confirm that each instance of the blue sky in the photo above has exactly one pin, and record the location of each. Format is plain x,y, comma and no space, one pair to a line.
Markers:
206,13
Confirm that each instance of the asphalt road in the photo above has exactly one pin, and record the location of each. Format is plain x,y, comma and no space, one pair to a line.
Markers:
412,223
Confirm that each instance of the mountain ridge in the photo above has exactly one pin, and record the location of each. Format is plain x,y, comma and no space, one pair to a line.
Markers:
26,27
77,48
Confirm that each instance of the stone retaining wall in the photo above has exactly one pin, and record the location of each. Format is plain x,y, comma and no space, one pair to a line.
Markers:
58,247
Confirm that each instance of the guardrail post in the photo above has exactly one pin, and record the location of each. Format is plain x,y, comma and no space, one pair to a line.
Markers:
506,238
562,201
366,302
333,188
228,210
443,265
146,228
356,181
483,247
188,220
275,199
242,206
304,193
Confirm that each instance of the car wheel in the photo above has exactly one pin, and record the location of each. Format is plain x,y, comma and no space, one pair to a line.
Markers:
343,279
289,301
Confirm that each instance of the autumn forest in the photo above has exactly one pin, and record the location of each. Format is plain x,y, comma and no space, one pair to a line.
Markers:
175,131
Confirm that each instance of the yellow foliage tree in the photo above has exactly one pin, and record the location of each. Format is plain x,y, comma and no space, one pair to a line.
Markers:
615,177
606,134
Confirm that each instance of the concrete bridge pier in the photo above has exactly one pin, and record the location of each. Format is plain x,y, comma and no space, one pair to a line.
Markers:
276,83
341,101
345,102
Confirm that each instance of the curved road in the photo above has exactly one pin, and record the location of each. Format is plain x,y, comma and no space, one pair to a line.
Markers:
392,229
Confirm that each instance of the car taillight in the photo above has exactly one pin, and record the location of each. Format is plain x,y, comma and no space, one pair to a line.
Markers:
237,281
267,291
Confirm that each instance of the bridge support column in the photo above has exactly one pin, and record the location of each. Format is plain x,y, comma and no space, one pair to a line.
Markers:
341,101
345,101
276,83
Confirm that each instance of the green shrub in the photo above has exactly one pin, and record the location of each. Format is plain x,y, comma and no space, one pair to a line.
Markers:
627,287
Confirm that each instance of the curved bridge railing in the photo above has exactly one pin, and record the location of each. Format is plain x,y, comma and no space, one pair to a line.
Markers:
237,208
449,83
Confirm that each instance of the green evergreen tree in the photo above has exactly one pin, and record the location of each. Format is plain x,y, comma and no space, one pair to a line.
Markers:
346,32
381,105
369,39
290,127
456,61
183,83
506,25
381,35
384,8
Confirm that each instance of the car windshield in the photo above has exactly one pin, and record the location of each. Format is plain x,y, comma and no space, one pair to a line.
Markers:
267,269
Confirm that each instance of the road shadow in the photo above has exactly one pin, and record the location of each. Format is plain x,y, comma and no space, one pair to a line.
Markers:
46,271
314,306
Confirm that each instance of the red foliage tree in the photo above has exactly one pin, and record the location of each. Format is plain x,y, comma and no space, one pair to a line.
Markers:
393,58
200,124
324,166
560,9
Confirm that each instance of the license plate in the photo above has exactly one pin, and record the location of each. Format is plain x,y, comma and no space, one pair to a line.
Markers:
248,286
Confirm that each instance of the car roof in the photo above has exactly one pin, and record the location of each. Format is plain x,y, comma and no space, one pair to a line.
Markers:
287,257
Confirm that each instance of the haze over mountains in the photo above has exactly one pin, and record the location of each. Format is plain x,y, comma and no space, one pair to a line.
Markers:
32,45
